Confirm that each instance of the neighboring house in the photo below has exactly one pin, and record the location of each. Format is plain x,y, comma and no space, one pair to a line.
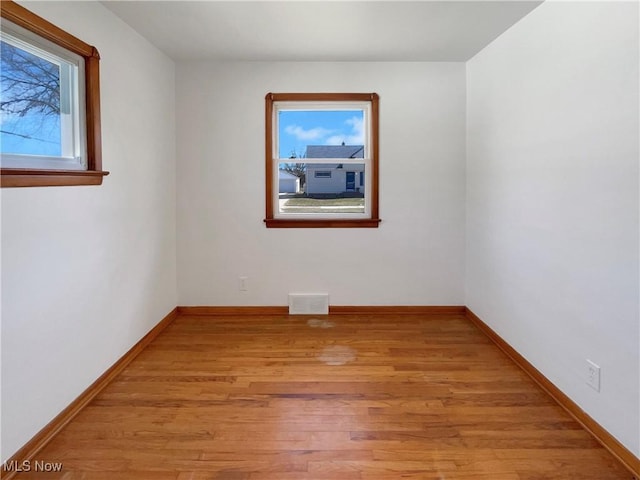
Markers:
334,178
289,183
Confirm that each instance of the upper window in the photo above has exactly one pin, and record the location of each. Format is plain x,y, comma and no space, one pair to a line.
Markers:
329,142
50,110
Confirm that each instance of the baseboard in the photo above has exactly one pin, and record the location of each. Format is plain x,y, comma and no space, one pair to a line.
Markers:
624,456
29,451
224,311
396,310
333,310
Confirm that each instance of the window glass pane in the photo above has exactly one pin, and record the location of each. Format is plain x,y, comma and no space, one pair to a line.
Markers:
321,133
30,109
327,188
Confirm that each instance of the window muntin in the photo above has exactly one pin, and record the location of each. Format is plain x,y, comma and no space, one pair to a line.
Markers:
43,103
335,136
82,169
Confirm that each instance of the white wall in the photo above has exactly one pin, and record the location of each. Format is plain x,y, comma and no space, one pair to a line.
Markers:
415,257
552,200
87,271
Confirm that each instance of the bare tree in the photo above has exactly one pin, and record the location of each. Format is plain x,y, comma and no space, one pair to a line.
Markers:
29,83
30,90
295,168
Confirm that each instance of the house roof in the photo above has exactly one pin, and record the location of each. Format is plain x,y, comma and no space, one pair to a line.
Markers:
335,151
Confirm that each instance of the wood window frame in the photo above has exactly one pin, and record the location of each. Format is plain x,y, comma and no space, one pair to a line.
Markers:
30,177
373,221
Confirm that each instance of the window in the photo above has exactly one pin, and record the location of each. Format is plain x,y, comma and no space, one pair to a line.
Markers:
50,107
330,142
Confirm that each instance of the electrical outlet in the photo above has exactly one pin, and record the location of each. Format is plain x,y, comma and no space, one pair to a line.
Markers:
243,284
593,375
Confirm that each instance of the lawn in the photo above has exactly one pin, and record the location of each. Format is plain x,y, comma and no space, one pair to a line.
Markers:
325,202
323,205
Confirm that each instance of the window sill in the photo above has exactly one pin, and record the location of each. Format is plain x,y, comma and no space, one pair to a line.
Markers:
19,177
322,223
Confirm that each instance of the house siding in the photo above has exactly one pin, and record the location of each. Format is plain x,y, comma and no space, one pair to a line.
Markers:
337,183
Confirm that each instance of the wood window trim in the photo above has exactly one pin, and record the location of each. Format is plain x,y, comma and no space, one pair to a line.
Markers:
270,220
93,175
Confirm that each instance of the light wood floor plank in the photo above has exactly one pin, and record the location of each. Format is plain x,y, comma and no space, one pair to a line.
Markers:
336,398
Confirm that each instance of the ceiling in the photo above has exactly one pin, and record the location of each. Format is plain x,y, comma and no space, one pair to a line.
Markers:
321,30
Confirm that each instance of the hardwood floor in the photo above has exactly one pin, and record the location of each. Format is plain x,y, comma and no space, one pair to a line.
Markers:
337,398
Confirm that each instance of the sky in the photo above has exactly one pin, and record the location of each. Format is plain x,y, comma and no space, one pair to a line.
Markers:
299,128
34,133
43,134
